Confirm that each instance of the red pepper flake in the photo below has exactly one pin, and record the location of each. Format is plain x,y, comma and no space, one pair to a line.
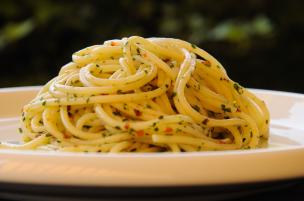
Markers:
137,112
238,110
127,126
168,130
140,133
67,135
206,63
113,43
222,142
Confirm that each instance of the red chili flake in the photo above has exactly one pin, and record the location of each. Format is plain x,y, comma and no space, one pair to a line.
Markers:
168,130
222,142
140,133
67,135
113,43
137,112
127,126
207,63
238,110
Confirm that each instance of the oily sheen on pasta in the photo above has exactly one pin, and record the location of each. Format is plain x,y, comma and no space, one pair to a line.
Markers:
143,95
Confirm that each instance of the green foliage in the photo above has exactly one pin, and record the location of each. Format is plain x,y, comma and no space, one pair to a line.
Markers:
38,37
14,31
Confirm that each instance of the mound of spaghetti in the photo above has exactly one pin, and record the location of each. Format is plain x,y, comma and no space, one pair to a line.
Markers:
143,95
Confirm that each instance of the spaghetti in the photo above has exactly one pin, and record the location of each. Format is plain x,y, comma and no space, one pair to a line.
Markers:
143,95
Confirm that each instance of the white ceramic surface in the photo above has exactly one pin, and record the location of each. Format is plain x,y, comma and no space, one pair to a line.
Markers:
283,159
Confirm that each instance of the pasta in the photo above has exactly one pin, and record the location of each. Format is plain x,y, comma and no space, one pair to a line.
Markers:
143,95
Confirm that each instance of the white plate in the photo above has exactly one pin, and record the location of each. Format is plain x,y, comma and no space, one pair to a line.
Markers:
283,159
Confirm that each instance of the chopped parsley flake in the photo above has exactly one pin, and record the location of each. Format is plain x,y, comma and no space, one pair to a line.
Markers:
238,88
225,109
116,113
205,121
195,107
87,126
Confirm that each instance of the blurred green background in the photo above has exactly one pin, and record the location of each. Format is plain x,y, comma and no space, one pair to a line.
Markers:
259,42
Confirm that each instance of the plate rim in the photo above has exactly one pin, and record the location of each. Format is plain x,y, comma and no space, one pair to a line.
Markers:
7,156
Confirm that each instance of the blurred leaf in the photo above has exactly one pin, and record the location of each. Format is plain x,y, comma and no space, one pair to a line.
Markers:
14,31
262,25
199,28
231,31
241,31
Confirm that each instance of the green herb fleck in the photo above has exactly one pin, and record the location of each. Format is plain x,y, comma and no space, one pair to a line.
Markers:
178,130
225,109
20,130
196,107
205,121
87,126
116,113
238,88
44,103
